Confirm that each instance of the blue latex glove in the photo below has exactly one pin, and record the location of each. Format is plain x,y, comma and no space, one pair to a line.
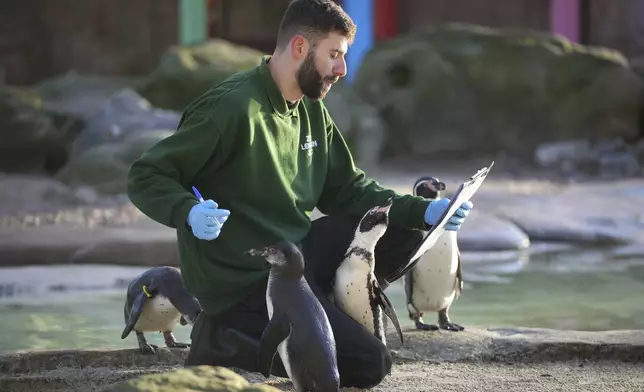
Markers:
206,220
436,208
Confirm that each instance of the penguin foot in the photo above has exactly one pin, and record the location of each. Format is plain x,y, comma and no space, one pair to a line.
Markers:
445,323
451,326
178,345
144,346
425,327
148,349
171,342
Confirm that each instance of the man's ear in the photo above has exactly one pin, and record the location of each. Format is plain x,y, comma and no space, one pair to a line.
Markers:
299,47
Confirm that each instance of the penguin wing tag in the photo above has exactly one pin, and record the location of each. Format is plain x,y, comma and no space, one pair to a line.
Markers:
389,310
135,313
275,332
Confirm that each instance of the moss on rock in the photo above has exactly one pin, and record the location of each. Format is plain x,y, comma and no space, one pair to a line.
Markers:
187,71
193,379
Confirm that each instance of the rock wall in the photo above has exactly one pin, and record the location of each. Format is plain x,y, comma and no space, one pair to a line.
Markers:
467,89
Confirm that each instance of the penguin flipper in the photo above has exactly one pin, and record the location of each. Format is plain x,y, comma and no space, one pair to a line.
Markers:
135,313
389,310
276,331
409,289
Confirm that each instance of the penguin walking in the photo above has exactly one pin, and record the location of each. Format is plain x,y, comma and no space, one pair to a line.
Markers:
355,289
436,279
156,301
299,329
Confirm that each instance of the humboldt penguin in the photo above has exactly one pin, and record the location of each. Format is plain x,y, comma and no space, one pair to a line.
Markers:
436,279
355,289
298,327
156,301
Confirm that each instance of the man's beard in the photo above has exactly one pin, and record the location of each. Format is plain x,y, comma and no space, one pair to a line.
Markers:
310,81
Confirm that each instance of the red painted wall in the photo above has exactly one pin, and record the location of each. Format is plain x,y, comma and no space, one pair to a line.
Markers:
387,17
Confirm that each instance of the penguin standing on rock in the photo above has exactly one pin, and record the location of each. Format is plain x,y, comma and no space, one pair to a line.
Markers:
299,329
436,279
355,289
156,301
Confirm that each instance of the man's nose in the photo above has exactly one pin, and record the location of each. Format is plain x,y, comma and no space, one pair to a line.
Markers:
340,69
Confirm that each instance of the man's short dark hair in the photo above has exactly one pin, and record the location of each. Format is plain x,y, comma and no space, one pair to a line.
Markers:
314,19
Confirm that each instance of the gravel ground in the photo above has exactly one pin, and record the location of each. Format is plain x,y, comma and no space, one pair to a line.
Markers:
465,377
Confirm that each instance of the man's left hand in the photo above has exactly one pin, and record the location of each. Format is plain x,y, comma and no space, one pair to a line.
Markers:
436,208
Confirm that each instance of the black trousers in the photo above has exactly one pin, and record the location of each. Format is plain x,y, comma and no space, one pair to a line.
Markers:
231,339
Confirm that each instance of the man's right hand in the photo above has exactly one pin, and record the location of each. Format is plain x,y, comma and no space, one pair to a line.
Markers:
206,220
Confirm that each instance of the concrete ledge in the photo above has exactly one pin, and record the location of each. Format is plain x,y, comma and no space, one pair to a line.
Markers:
51,245
520,345
71,370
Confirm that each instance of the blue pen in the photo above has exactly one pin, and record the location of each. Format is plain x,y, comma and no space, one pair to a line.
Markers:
197,194
200,198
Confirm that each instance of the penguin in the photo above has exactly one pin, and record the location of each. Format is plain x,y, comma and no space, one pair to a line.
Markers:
157,300
355,289
436,279
298,328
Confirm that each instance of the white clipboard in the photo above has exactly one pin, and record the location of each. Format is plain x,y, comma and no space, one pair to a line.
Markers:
464,193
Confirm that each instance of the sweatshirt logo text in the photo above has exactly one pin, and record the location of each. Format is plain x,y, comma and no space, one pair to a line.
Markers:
309,145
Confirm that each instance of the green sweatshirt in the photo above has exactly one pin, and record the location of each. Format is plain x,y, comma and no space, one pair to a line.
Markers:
241,145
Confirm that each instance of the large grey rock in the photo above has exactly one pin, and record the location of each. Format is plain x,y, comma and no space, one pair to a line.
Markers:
486,232
187,71
119,117
592,213
105,166
359,123
78,96
467,89
578,159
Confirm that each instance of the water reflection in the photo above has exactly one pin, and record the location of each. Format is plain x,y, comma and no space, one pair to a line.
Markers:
550,287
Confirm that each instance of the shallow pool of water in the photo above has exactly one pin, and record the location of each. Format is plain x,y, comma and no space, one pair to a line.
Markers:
574,291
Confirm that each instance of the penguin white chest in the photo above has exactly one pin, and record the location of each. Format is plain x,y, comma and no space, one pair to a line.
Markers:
158,315
434,277
282,348
351,291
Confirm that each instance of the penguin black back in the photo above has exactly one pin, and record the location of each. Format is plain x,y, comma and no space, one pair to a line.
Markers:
162,289
165,281
299,329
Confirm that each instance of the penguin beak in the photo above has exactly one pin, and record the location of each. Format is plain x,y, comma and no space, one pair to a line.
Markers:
256,252
441,186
